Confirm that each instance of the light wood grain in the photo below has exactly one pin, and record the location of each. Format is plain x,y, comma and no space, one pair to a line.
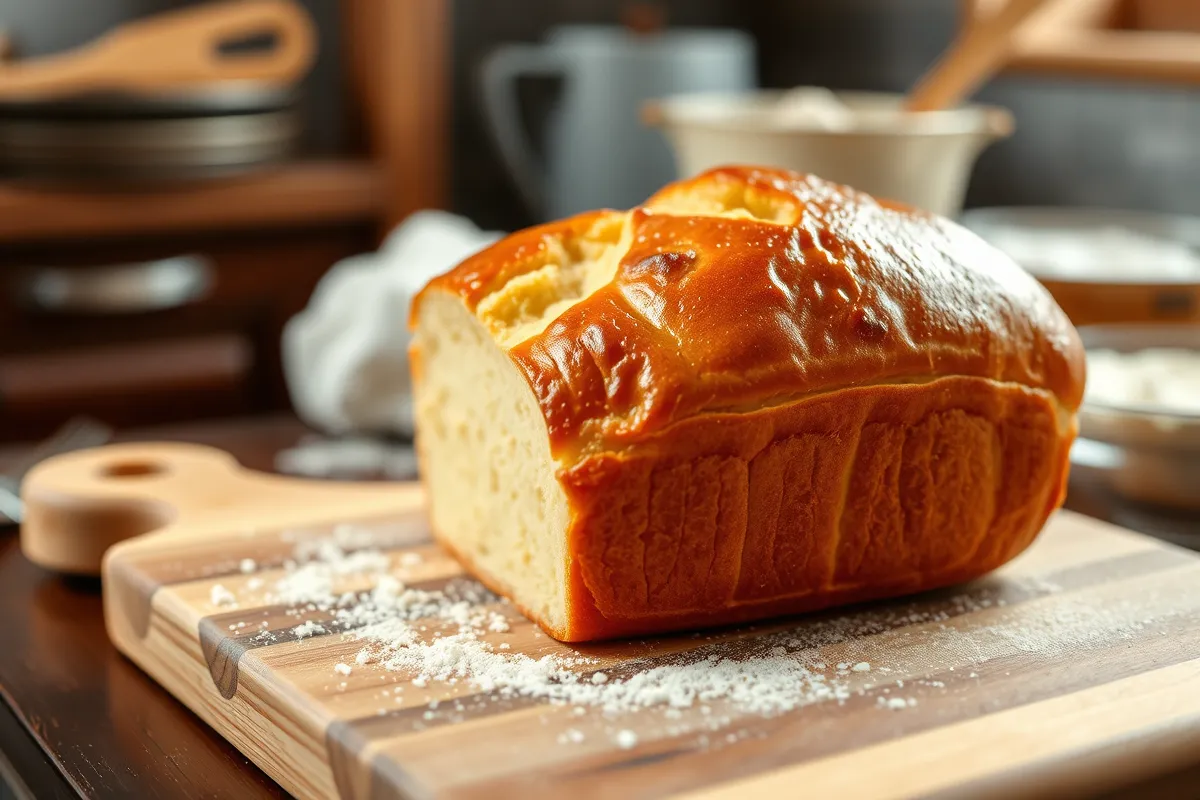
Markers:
1159,710
1071,669
1164,15
173,52
1056,15
181,492
323,192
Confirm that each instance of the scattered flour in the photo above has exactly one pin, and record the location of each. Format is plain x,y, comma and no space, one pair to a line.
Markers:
1160,380
455,634
896,703
1112,253
247,566
220,596
308,628
443,636
572,735
626,739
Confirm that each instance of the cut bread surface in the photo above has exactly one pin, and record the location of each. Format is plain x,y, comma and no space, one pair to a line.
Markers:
493,491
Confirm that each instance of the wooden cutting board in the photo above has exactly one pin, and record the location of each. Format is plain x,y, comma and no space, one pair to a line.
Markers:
1074,668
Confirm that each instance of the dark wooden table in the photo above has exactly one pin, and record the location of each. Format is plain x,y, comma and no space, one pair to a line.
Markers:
77,719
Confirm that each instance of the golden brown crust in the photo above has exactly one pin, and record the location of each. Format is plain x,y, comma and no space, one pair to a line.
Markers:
862,493
822,399
858,495
522,252
708,313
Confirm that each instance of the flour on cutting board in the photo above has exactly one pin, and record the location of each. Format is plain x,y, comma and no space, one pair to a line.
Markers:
449,637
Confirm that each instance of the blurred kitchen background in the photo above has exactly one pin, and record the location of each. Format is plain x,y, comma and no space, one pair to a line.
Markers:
149,272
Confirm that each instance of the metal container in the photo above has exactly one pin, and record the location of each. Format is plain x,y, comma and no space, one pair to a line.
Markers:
1148,295
1140,454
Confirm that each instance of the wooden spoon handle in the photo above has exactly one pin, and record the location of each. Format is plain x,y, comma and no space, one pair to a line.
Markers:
978,53
177,50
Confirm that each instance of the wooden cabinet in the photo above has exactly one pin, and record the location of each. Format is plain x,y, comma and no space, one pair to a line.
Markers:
176,350
78,334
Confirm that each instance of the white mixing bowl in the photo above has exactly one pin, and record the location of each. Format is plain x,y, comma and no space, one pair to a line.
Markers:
923,159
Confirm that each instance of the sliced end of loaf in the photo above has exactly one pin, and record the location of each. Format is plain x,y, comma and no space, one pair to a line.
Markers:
485,458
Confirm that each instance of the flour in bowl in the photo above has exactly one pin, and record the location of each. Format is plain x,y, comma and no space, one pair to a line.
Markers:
1159,379
812,106
1112,254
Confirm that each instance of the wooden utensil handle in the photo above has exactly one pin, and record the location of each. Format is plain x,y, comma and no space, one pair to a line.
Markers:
190,41
79,504
980,51
177,50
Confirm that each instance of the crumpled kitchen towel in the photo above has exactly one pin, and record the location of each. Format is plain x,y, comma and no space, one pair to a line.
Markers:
345,356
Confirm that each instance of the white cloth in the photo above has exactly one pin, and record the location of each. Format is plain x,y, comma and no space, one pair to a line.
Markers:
345,355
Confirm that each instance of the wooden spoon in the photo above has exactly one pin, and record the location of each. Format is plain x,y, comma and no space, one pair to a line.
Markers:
975,56
174,51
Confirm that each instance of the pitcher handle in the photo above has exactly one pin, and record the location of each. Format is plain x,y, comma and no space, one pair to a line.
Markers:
500,73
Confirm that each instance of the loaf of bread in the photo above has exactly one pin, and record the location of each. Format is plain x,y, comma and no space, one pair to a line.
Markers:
760,393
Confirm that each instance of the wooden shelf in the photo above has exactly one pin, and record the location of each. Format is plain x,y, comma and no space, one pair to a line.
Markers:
1123,55
1141,40
301,193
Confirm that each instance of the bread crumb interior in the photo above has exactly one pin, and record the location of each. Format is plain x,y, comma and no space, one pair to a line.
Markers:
485,459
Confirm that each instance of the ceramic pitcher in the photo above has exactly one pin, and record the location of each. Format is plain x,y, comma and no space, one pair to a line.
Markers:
597,152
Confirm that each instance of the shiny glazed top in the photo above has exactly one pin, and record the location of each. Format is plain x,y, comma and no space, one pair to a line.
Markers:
745,287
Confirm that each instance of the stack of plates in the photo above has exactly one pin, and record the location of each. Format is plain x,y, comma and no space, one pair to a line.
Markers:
126,138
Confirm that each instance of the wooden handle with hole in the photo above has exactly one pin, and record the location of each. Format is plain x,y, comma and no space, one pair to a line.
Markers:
80,504
178,50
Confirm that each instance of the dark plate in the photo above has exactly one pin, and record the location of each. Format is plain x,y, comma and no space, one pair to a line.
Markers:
226,99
